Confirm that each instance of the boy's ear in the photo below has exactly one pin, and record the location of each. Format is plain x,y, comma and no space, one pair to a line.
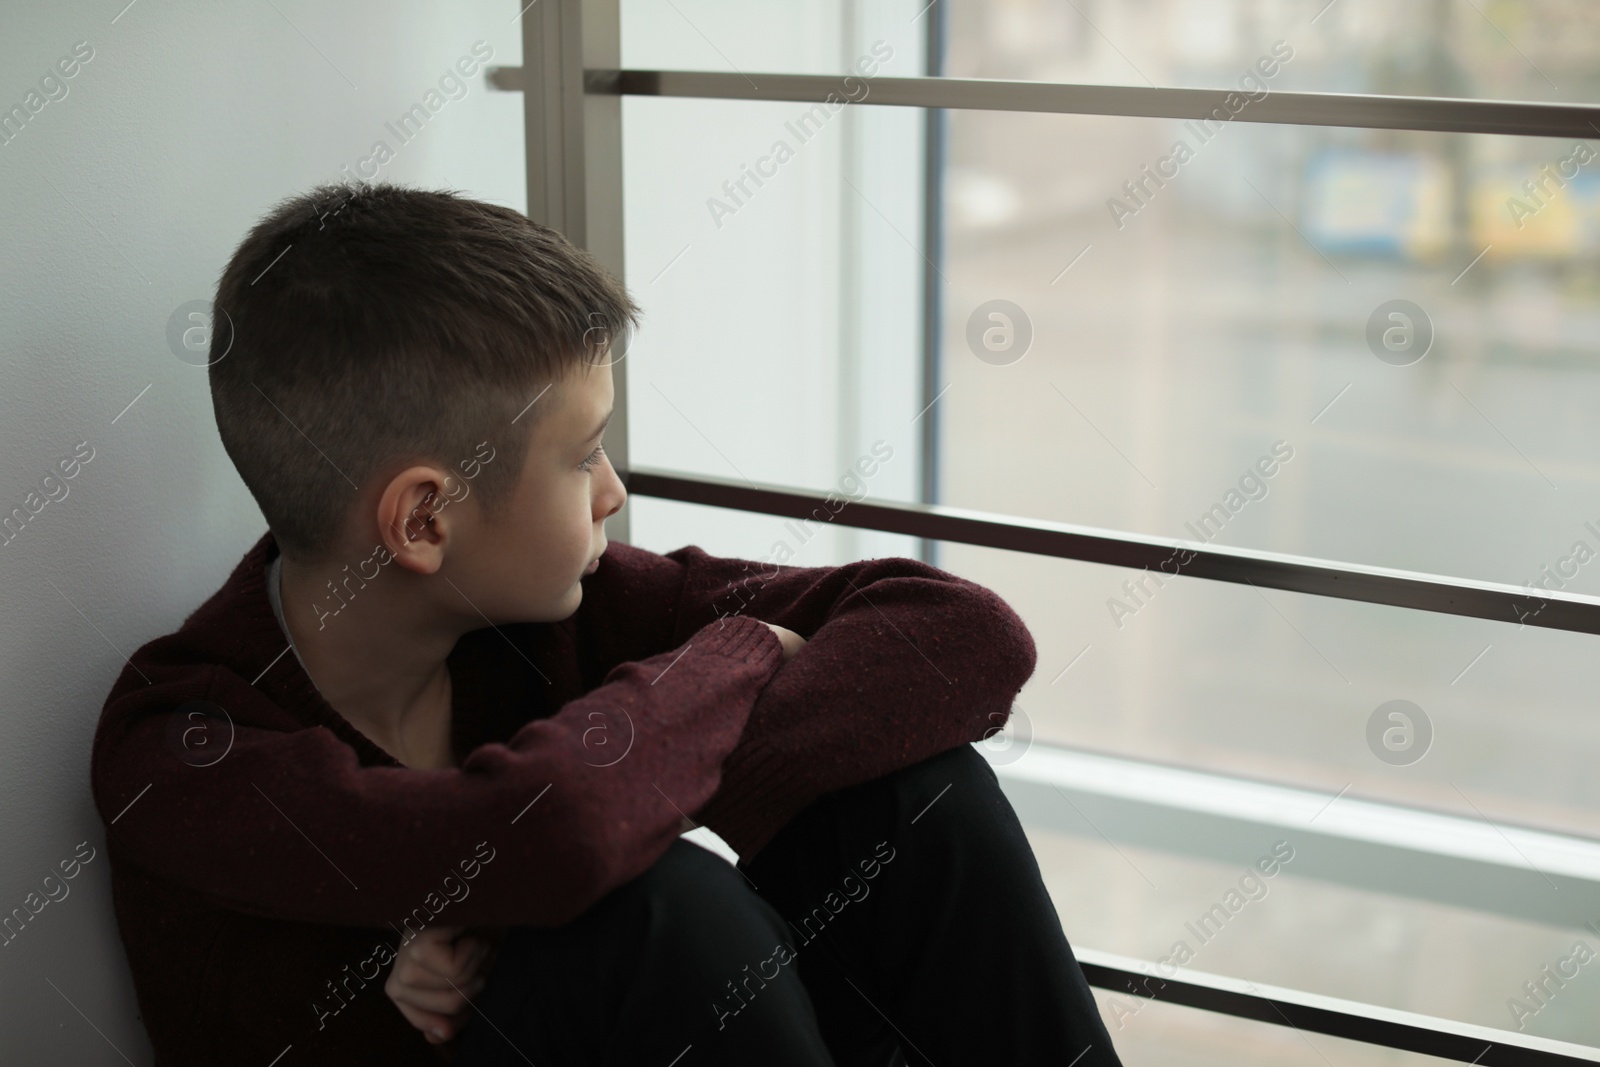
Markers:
412,519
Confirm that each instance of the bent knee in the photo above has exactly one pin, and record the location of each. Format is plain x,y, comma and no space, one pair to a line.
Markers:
961,771
957,790
689,879
692,897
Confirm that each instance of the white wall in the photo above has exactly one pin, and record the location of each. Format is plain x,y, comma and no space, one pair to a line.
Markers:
123,200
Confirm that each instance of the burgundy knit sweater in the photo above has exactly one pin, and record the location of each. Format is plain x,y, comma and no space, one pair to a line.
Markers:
267,858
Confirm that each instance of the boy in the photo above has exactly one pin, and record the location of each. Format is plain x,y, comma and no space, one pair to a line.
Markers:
432,700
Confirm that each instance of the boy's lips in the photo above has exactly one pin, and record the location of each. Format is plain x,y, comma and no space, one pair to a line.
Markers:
593,566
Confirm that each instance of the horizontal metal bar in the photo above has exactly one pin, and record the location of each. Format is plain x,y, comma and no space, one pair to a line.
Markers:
1361,110
1372,1024
1495,601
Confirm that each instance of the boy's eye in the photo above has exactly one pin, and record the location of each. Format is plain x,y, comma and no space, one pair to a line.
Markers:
592,459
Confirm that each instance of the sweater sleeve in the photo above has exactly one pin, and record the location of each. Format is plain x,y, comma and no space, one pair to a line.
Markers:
288,825
903,661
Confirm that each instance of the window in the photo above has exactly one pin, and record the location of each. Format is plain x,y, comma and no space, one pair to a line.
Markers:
1321,356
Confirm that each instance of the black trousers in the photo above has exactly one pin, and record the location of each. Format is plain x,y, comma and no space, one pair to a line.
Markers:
899,921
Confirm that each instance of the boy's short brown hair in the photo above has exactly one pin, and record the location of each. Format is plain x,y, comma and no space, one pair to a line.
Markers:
361,325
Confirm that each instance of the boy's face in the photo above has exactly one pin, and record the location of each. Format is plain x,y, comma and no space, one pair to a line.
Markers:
524,563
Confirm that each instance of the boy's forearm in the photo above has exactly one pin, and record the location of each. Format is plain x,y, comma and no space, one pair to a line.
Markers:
838,715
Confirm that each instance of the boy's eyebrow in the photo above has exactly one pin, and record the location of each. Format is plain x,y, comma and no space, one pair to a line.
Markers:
598,430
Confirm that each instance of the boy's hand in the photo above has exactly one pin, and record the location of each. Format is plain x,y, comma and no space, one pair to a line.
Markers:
420,979
792,642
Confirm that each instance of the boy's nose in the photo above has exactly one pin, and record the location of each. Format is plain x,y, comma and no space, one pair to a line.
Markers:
620,498
620,491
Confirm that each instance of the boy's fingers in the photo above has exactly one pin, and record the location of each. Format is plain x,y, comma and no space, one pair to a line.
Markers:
434,964
417,976
422,978
438,1001
414,975
434,980
459,963
433,939
439,958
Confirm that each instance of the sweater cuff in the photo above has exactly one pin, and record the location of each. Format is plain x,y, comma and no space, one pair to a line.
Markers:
739,637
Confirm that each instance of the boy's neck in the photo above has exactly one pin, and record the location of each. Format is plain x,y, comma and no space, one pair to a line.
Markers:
380,662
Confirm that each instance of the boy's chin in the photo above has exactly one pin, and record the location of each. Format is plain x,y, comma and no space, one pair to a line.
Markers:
551,609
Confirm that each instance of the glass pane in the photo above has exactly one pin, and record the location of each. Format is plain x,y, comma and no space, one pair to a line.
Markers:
1285,688
886,37
1509,50
1505,50
1336,343
781,339
1449,963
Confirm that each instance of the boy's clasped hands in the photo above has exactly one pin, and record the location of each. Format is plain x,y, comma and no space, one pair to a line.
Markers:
442,969
436,975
